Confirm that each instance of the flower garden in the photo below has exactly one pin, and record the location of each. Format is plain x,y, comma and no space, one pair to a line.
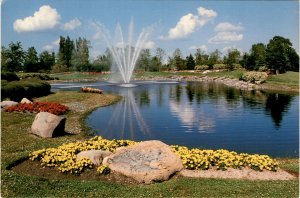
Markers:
64,157
36,107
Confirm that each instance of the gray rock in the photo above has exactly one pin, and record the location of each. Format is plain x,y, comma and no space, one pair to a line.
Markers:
25,100
96,156
48,125
8,103
145,162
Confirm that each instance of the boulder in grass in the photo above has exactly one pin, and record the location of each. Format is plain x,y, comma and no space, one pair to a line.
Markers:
96,156
145,162
25,101
48,125
8,104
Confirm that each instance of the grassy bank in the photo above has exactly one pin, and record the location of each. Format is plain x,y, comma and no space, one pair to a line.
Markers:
287,81
17,143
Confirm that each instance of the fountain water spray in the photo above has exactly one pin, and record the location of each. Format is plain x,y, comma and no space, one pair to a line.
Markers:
125,54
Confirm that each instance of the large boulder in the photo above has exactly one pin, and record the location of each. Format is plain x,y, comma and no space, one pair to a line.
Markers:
25,101
8,103
96,156
145,162
48,125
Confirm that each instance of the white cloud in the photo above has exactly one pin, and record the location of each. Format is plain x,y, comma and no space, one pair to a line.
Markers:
149,45
202,47
228,27
52,45
1,2
45,18
230,48
190,23
71,25
226,37
226,33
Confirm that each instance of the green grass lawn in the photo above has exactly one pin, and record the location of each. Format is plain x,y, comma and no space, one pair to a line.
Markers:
17,143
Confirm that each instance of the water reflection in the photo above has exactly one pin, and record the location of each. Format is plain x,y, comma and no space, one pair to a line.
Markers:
206,115
277,105
126,116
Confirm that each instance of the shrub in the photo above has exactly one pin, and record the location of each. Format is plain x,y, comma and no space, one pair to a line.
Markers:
9,76
220,66
255,77
29,88
35,107
91,90
201,67
64,157
37,76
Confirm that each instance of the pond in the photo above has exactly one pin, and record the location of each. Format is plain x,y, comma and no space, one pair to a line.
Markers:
197,114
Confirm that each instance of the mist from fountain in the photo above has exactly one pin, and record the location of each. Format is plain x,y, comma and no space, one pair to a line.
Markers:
125,53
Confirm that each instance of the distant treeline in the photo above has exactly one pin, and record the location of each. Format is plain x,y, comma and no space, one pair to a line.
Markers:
277,56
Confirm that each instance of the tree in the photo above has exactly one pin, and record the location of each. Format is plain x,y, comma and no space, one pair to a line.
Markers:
4,58
190,62
257,57
13,57
199,57
144,59
80,55
66,46
280,56
233,57
47,60
177,62
31,63
160,53
214,58
102,62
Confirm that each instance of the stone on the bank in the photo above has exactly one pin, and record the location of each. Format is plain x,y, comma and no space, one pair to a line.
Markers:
145,162
96,156
48,125
8,103
25,101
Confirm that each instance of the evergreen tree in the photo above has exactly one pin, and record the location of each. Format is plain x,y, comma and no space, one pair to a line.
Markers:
31,61
47,60
13,57
190,62
80,59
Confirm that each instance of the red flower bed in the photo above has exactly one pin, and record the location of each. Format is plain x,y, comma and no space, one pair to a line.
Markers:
35,107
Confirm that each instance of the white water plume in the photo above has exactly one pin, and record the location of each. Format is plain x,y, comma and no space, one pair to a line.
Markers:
125,53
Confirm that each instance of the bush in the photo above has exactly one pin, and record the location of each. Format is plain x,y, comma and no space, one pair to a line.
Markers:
201,67
29,88
220,66
255,77
37,76
9,76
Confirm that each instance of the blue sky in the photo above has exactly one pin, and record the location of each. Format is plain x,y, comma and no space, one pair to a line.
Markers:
187,25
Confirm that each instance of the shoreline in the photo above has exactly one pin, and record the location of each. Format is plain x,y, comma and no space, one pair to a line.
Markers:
224,80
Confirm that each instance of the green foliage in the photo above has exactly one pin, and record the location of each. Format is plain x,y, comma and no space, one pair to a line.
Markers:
13,58
9,76
190,62
47,60
220,66
201,67
80,56
255,77
29,88
281,56
257,57
232,58
31,63
66,47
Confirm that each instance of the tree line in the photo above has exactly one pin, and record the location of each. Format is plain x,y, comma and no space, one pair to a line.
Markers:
277,56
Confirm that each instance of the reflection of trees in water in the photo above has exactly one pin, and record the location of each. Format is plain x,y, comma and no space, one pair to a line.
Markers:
274,104
277,105
144,99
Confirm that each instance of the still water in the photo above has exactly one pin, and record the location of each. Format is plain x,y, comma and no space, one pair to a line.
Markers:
203,115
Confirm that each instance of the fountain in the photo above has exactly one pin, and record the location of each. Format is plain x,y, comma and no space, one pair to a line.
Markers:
125,54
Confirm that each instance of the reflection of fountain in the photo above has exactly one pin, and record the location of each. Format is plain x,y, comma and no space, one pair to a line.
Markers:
124,54
126,117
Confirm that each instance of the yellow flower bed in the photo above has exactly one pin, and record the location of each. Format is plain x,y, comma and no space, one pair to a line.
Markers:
64,157
204,159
